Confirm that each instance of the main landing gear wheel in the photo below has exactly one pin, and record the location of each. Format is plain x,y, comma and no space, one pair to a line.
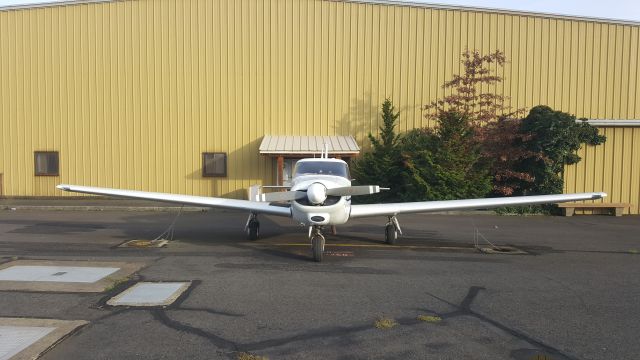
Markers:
253,230
253,227
390,234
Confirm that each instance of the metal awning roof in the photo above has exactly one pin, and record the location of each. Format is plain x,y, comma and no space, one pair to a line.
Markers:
308,145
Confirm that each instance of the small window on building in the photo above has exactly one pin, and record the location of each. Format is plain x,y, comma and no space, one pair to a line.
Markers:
47,163
214,164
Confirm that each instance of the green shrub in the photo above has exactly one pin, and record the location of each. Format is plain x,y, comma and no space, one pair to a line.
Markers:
557,136
444,163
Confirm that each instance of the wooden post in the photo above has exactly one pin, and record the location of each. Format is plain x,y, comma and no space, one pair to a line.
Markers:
280,170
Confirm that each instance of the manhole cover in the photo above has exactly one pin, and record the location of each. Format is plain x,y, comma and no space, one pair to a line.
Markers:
150,294
80,274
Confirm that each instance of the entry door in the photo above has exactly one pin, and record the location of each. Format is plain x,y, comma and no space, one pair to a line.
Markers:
287,171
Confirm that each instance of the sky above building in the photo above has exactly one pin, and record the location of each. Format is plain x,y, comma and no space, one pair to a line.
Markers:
613,9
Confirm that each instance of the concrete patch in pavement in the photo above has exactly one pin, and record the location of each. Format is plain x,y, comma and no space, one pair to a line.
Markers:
63,276
22,338
148,294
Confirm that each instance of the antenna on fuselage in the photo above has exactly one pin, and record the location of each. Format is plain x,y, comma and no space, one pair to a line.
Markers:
325,153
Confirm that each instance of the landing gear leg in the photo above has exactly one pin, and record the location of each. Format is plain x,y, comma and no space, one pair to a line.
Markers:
317,243
252,227
391,231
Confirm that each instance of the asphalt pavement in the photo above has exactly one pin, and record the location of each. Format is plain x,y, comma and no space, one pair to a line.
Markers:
574,294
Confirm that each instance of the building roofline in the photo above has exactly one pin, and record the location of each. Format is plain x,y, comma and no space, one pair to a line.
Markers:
46,4
384,2
494,10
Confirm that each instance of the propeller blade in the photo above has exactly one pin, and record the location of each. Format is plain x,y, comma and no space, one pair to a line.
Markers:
355,190
281,196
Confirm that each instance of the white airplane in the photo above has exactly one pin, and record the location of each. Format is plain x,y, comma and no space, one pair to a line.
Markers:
320,195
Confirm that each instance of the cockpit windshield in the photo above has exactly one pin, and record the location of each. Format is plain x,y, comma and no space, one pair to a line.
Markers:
322,168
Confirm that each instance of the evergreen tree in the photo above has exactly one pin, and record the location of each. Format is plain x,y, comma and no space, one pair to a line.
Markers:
381,166
388,137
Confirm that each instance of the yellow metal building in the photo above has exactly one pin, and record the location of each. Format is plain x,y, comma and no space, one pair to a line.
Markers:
131,93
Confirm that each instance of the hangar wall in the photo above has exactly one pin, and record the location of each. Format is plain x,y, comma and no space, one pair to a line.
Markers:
132,92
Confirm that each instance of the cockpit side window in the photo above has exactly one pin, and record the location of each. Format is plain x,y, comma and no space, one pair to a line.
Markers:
321,168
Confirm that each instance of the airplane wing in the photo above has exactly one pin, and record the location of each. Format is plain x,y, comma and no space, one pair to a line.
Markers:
213,202
358,211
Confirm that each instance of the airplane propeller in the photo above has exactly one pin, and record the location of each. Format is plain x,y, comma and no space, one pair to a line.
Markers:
317,193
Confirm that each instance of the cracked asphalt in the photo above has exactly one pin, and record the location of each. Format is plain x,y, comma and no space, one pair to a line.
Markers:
574,295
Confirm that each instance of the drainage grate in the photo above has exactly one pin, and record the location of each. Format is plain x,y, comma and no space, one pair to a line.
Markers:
75,274
14,339
150,294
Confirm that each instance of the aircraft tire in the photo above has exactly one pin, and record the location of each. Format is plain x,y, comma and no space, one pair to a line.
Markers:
253,230
317,247
390,234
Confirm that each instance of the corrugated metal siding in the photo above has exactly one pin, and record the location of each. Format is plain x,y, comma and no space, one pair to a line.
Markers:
131,92
613,167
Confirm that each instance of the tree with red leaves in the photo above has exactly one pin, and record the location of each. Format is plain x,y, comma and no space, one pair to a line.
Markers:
502,144
495,124
467,96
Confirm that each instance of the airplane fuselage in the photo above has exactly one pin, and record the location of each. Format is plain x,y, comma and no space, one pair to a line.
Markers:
315,177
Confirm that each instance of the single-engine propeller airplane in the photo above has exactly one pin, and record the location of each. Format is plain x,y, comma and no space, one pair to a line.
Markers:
320,195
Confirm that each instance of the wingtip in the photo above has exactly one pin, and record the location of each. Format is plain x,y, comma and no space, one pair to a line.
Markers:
63,187
602,195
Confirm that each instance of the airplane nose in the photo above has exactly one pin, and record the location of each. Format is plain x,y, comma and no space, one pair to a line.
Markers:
316,193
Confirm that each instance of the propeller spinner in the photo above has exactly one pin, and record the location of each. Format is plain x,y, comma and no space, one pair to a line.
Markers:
317,193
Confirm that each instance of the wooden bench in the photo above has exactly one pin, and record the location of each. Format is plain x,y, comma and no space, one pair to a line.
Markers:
617,209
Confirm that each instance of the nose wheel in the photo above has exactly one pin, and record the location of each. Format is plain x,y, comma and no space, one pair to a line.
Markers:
317,243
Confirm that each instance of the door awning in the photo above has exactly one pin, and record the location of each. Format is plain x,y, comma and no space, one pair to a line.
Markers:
308,145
